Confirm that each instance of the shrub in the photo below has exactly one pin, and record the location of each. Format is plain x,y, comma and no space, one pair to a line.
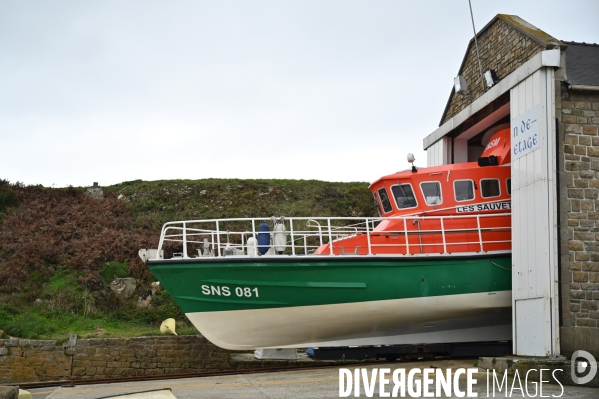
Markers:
8,199
29,325
111,269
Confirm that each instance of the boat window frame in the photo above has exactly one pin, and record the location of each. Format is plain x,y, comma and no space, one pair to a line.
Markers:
498,187
440,192
381,201
413,193
508,186
455,197
377,203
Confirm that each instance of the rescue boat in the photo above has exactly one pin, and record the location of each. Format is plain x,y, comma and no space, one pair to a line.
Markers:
433,267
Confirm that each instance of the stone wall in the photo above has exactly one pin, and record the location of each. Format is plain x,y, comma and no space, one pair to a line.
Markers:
24,360
578,151
502,48
32,360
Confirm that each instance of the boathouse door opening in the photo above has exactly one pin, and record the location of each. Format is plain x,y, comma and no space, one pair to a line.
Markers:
524,100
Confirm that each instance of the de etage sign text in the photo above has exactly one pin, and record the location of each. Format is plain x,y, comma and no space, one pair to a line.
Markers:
525,133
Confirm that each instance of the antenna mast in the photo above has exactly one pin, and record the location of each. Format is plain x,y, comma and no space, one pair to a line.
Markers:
480,68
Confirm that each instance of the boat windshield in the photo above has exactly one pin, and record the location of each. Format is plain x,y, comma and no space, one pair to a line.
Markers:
377,204
404,196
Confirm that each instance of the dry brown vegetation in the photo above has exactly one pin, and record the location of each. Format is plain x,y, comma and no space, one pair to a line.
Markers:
66,227
45,228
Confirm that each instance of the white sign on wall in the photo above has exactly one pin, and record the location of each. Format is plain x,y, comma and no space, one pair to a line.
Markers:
525,133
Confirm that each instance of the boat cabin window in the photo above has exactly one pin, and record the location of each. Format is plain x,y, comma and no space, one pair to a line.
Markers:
464,190
490,188
385,200
377,204
432,192
508,182
404,196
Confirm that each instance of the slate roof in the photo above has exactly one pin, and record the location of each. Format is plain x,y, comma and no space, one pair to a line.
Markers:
582,64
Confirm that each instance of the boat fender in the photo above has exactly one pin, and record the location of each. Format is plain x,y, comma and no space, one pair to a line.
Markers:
280,241
263,238
252,249
206,248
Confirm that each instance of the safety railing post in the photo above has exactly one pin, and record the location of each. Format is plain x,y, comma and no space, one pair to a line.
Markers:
292,236
405,229
330,236
184,240
305,245
368,238
250,250
161,242
217,239
480,235
443,235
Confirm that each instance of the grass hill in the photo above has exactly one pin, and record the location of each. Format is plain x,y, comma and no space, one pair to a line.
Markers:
60,248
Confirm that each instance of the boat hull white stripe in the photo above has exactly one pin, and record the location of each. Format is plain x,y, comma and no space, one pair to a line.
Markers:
454,318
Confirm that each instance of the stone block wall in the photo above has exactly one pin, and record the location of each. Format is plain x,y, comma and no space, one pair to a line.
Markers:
32,360
502,48
36,360
578,152
118,357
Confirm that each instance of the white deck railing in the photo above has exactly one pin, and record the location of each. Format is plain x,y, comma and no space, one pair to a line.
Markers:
302,235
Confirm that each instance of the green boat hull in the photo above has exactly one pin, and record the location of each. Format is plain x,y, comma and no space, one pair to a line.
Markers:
273,301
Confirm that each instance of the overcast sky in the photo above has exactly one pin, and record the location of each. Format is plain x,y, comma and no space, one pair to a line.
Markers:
111,91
